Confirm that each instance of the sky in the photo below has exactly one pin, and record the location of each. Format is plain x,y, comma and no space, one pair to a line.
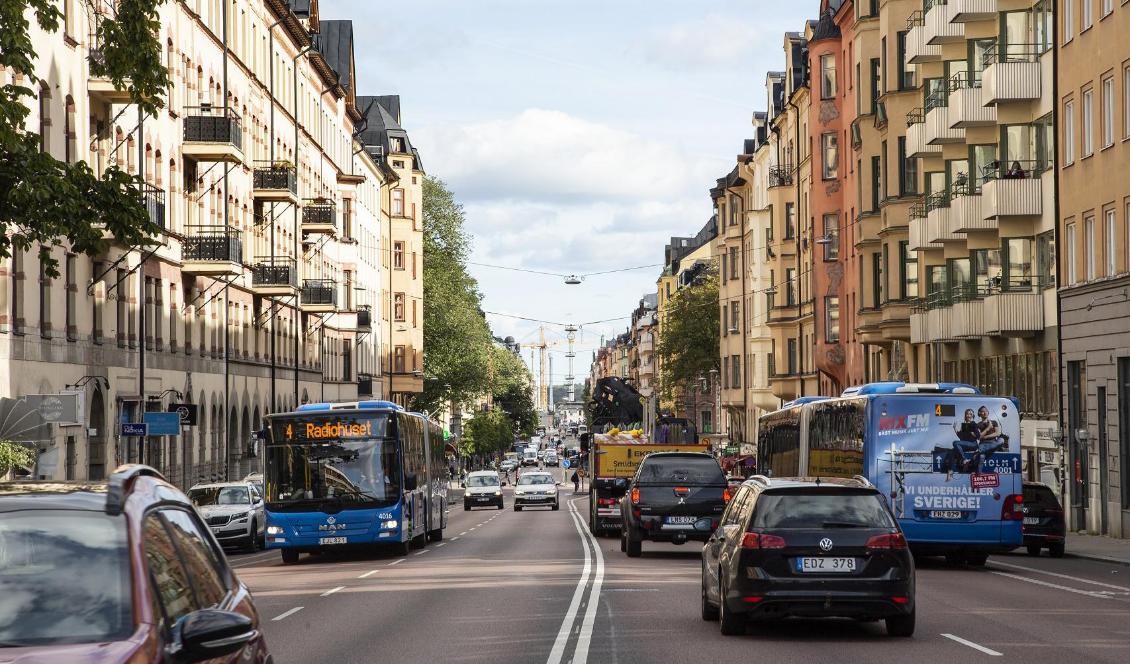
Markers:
579,136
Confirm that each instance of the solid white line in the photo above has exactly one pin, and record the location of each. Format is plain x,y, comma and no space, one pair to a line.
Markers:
584,639
396,562
1088,593
368,574
332,591
1061,576
975,646
562,639
286,613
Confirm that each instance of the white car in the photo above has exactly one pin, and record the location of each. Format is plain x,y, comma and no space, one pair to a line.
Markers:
530,457
551,458
535,488
483,490
234,511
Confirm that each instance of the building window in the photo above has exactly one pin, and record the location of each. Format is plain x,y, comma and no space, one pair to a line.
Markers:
1089,246
908,268
1126,101
874,83
908,170
736,372
1068,131
735,317
790,221
398,255
398,307
790,286
122,302
735,265
832,319
1108,7
831,239
827,76
1087,14
1045,259
44,300
792,357
829,144
1108,112
44,117
1019,262
347,218
1068,20
735,210
1088,110
71,286
398,359
1111,242
1069,257
70,147
398,202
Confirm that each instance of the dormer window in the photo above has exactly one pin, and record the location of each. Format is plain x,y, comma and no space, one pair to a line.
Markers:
397,144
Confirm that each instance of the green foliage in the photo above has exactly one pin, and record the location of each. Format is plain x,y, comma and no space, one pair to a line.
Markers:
14,455
47,200
457,340
510,389
688,348
488,433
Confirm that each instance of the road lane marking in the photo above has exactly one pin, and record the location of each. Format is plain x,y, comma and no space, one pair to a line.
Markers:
558,651
440,544
420,553
1088,593
454,538
332,591
286,614
975,646
1061,576
368,574
396,562
463,533
584,640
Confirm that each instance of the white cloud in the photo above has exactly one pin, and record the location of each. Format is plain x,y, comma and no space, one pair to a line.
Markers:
711,40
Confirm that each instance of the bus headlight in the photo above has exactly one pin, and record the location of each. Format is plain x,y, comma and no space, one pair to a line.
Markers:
391,524
275,530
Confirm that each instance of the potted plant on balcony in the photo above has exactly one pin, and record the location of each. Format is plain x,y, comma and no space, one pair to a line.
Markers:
282,165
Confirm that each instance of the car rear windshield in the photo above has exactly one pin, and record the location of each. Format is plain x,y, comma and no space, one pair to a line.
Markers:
219,495
482,480
822,509
1041,496
680,469
64,578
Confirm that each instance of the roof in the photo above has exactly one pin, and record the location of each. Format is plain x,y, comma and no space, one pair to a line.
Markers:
335,43
301,8
382,122
826,27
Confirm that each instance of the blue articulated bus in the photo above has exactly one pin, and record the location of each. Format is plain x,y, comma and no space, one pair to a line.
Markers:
353,474
946,457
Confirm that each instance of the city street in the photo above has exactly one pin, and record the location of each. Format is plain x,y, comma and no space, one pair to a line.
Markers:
527,587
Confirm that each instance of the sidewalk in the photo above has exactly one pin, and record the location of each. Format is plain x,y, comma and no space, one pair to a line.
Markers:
1098,547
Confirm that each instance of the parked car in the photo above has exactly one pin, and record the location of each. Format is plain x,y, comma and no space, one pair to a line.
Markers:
155,585
812,548
536,488
674,497
484,489
1044,525
234,511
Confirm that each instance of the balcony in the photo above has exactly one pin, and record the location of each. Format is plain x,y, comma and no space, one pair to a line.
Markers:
99,85
967,320
939,28
966,211
966,109
938,128
1012,74
274,276
938,214
276,183
781,175
1014,196
919,229
930,323
1015,312
918,50
319,296
212,133
967,11
895,320
867,325
319,217
916,145
364,385
364,318
647,344
212,251
153,198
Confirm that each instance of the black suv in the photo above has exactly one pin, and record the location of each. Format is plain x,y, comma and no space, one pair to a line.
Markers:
1043,520
808,547
674,497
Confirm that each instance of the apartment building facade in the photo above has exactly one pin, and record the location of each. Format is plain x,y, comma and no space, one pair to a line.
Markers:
273,221
1093,103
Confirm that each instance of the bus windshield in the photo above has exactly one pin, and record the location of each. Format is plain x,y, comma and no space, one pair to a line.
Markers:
343,460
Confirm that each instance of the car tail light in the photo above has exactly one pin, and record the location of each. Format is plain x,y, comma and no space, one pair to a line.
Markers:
1013,508
752,599
762,541
635,496
636,513
890,541
727,494
899,599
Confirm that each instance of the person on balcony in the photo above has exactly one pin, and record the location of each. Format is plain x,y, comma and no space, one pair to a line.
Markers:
1016,172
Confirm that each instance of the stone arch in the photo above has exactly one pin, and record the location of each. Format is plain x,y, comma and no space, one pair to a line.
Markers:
232,443
70,131
202,432
96,456
245,442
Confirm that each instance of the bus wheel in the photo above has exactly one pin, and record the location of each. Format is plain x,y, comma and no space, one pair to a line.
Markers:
435,535
289,556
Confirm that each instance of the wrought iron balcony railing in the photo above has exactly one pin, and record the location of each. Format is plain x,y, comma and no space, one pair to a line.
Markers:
212,124
274,271
319,291
213,243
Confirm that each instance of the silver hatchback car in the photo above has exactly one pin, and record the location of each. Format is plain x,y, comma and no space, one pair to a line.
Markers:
234,511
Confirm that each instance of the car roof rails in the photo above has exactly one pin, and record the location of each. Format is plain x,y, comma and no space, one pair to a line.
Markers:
121,480
862,480
761,479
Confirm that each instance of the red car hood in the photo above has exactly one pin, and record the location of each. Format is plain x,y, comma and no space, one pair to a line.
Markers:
118,651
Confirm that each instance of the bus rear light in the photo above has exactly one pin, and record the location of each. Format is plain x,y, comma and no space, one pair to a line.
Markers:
762,541
1013,508
889,542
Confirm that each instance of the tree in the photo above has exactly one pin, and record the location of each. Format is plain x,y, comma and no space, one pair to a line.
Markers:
46,200
14,455
488,433
457,339
689,346
510,390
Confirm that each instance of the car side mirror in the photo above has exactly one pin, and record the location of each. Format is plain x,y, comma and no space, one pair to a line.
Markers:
210,633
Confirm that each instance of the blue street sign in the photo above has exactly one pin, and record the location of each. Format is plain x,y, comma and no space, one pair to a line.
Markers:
163,424
565,463
135,429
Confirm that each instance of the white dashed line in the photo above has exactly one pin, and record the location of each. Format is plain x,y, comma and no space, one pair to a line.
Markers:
440,544
454,538
463,533
396,562
368,574
332,591
287,613
975,646
420,553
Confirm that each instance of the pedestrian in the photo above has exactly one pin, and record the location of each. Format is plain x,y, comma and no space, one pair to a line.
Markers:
576,482
1016,172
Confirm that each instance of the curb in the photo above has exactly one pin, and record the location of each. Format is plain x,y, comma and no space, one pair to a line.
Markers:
1097,557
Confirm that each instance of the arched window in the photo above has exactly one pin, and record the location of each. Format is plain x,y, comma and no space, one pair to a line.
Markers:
70,140
44,117
159,167
148,163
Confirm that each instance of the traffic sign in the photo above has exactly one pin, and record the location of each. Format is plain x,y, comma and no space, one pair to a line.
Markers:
163,424
135,429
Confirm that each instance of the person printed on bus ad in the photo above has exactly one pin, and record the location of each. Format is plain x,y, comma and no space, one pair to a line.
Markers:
968,438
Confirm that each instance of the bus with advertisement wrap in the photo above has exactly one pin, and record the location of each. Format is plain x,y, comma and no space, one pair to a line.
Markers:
946,457
353,474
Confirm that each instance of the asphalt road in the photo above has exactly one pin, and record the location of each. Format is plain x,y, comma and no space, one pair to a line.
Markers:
528,586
